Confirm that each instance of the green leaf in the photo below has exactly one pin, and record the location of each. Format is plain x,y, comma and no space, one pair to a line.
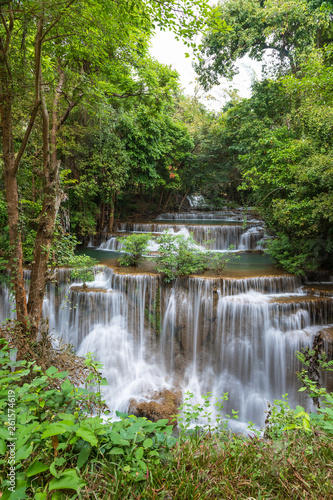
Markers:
84,454
121,415
51,371
68,480
148,443
36,468
117,439
2,447
4,433
23,453
87,435
116,451
54,430
139,453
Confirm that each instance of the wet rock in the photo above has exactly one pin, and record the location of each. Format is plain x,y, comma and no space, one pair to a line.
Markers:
163,404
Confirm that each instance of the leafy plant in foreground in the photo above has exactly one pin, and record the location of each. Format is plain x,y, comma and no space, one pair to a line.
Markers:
59,440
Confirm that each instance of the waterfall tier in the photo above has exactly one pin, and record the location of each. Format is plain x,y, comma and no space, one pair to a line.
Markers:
220,237
229,335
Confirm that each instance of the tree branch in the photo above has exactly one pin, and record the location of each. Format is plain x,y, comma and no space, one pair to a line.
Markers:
8,29
64,117
26,136
55,37
55,22
4,23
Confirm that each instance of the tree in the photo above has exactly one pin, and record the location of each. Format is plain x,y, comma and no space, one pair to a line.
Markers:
52,56
288,28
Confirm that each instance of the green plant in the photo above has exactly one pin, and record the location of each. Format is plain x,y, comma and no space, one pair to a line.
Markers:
83,267
196,419
135,246
58,439
179,256
218,261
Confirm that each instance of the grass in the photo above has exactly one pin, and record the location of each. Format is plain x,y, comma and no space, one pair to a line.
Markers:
297,466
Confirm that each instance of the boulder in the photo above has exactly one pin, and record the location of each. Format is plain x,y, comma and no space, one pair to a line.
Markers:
163,404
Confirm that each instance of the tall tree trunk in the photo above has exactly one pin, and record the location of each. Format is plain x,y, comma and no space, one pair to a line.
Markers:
47,219
160,200
102,217
10,170
16,253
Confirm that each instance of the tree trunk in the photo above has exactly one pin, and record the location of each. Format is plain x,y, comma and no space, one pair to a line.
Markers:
181,203
10,170
111,219
160,200
102,217
167,201
51,203
16,253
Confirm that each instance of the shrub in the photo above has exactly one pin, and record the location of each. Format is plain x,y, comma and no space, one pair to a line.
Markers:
83,267
218,261
181,256
135,246
58,444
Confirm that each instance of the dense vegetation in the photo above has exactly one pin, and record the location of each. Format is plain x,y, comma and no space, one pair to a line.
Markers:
64,449
279,141
128,142
177,255
93,130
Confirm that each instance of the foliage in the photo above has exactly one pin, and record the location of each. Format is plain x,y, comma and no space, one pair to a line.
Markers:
83,267
62,447
218,261
287,28
135,246
180,255
55,436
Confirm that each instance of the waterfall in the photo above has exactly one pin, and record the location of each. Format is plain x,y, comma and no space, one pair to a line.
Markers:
219,237
111,244
231,335
226,215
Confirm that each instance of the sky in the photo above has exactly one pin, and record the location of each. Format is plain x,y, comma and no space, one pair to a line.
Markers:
167,50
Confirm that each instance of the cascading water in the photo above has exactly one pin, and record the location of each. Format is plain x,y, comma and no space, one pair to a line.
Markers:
226,215
200,334
219,237
111,244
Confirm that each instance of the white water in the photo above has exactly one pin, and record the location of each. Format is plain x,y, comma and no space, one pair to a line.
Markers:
225,215
232,335
202,334
221,238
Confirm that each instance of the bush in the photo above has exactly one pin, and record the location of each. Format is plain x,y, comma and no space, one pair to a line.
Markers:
218,261
58,444
135,246
83,267
296,255
181,256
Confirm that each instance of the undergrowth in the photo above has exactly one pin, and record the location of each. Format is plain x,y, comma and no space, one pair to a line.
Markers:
66,450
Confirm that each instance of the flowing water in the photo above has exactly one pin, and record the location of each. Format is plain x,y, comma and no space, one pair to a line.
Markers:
238,334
